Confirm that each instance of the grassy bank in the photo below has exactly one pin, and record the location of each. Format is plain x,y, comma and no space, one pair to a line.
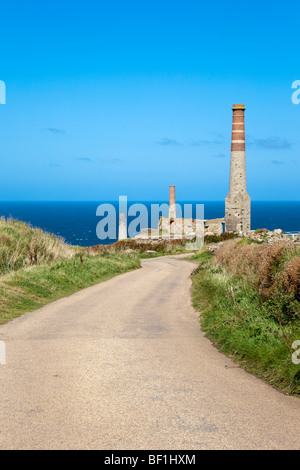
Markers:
21,246
249,299
30,288
159,248
37,268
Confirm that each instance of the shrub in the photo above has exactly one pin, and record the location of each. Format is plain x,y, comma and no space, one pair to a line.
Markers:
220,238
273,270
163,246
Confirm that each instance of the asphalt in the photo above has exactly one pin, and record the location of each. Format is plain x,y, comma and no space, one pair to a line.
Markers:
124,365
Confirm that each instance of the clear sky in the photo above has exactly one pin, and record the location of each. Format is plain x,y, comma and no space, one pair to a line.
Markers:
125,97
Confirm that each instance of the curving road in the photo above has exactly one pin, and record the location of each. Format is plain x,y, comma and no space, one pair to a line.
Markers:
124,365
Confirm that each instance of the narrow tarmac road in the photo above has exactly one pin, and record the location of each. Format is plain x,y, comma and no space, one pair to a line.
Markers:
124,365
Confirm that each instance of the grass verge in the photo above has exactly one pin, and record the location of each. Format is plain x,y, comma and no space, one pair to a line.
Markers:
244,325
32,287
37,267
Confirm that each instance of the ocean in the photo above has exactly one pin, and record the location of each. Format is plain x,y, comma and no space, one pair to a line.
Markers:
76,222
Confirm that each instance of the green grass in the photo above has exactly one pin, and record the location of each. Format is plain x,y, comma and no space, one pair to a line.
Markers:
161,247
30,288
21,246
158,254
202,256
37,268
152,255
248,241
237,319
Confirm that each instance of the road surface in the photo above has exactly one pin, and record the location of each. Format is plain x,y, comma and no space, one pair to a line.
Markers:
124,365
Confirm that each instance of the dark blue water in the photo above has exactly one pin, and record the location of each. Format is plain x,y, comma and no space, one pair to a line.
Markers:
76,221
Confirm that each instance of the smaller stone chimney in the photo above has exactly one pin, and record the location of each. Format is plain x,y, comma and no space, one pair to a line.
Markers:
172,205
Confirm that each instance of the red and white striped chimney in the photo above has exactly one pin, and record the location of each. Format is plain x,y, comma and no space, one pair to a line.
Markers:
237,203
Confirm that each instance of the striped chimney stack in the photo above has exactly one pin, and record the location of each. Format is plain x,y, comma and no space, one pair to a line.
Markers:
237,203
172,205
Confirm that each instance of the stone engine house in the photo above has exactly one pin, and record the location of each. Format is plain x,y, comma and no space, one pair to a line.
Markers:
237,203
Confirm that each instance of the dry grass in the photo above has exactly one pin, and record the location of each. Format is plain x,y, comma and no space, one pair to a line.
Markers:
264,264
248,296
272,269
165,246
290,278
37,268
21,246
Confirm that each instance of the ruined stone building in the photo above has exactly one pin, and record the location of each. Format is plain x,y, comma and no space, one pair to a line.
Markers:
237,202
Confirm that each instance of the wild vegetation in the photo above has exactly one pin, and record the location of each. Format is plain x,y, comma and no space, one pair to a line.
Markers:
37,267
220,238
141,247
248,292
21,246
272,269
249,298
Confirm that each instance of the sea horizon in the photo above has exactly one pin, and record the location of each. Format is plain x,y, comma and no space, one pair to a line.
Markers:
76,221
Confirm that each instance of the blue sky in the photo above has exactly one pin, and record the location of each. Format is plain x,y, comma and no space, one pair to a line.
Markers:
109,98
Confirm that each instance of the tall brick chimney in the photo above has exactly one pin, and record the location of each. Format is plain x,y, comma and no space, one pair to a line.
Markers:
237,203
172,204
